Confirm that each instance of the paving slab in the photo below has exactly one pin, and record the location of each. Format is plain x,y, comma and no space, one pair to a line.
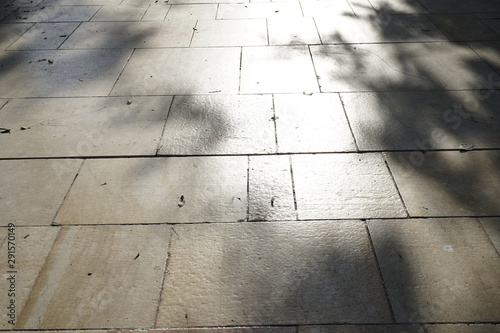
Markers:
259,10
33,190
398,6
425,120
377,29
44,36
68,73
192,12
244,32
52,14
237,274
277,69
490,53
326,8
201,2
362,329
311,123
111,126
270,196
400,67
463,328
130,35
464,6
120,13
448,183
492,227
216,330
80,2
463,27
219,124
32,245
339,186
156,12
493,25
120,269
158,190
438,270
12,32
181,71
292,31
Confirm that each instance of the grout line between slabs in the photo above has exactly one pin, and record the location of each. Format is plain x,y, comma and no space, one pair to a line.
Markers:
395,185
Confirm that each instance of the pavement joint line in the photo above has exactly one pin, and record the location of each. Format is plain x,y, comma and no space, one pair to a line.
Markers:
395,185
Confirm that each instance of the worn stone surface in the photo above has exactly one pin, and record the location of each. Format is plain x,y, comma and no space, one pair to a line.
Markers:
362,329
292,31
333,186
398,6
211,124
110,126
465,6
489,51
120,13
431,269
463,27
44,36
326,8
32,191
156,12
11,32
237,274
216,330
120,271
259,10
492,227
192,12
158,190
230,33
52,14
448,183
463,328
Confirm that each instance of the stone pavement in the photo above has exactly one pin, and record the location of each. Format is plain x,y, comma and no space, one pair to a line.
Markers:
246,166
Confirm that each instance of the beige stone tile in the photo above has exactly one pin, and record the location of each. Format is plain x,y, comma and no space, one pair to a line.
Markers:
52,14
223,124
33,190
119,270
120,13
463,328
312,123
69,73
277,69
192,12
44,36
158,190
492,227
438,270
448,183
398,6
270,196
109,126
12,32
113,35
463,27
490,53
243,32
362,329
400,66
181,71
326,8
376,29
31,245
424,120
259,10
293,30
337,186
156,12
236,274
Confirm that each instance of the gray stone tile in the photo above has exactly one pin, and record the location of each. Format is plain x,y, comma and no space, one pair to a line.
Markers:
463,328
11,32
211,125
464,6
489,16
423,120
362,8
119,270
192,12
259,10
326,8
243,32
270,196
401,28
156,12
57,127
32,245
396,67
448,183
217,330
236,274
337,186
362,329
158,190
181,71
490,53
52,14
81,2
70,73
492,227
33,190
44,36
438,270
312,123
293,30
398,6
201,2
463,27
113,35
277,69
120,13
493,25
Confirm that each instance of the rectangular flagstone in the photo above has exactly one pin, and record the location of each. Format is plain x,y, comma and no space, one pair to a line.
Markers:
271,274
181,71
156,12
230,33
99,277
110,126
438,270
425,120
492,227
326,8
117,35
338,186
448,183
158,190
68,73
312,123
277,69
11,33
463,27
192,12
44,36
463,328
362,329
398,6
31,245
33,190
120,13
270,187
219,124
489,51
292,31
259,10
80,2
52,14
396,67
